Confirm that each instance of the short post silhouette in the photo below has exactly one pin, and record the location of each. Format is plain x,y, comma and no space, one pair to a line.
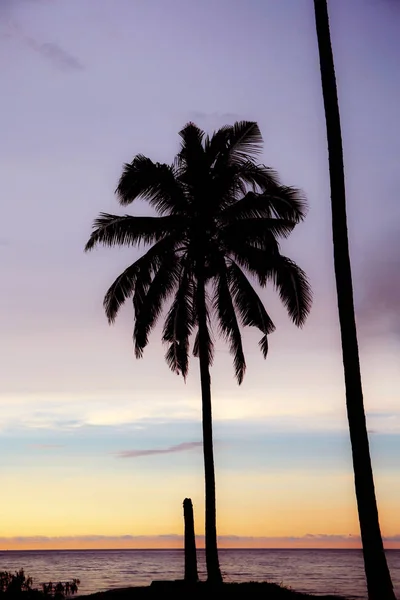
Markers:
191,575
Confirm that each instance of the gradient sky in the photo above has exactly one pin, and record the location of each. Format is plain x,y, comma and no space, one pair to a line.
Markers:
97,449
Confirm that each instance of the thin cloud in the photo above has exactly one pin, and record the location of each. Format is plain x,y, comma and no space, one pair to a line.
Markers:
214,119
215,115
51,51
55,54
7,7
170,450
379,308
45,446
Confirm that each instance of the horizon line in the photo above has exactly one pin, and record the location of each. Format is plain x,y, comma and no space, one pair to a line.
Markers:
178,549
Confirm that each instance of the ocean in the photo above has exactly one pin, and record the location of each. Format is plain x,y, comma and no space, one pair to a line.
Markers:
314,571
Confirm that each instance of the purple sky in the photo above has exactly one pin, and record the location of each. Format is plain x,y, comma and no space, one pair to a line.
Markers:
88,84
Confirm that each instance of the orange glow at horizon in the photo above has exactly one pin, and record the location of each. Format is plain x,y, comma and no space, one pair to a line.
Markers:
319,512
14,544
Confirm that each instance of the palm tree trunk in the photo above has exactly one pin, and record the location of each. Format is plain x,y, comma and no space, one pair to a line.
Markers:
377,573
213,569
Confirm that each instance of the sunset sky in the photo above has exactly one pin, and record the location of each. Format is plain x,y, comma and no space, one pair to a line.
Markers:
98,449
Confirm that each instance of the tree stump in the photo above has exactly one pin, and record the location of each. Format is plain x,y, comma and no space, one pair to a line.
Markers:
191,575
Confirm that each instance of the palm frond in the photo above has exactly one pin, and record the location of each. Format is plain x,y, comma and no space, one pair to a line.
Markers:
143,281
192,149
192,138
250,205
255,230
240,242
210,346
149,308
263,343
254,260
155,182
289,280
134,276
231,151
125,230
217,144
177,358
208,337
293,288
223,305
226,187
196,346
249,305
120,290
286,203
239,177
179,325
233,183
278,202
190,162
257,176
245,142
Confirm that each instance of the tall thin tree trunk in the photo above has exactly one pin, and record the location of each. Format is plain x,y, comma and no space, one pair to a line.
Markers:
212,561
377,573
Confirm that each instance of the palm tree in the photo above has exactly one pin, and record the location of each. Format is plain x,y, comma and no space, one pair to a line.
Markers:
219,216
377,573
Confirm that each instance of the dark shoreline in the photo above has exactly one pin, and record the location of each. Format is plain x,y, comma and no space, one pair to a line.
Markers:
180,590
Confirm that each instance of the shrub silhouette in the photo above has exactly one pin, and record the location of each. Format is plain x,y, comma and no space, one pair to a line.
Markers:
18,585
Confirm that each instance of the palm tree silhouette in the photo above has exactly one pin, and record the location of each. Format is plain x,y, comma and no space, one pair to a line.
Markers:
379,583
219,216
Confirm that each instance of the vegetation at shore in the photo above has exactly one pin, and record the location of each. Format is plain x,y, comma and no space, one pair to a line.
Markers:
234,591
19,585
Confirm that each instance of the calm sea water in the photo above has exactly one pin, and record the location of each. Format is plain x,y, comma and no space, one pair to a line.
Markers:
313,571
